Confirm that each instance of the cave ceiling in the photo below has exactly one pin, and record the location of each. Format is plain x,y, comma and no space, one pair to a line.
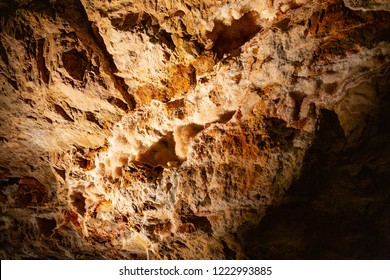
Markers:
188,129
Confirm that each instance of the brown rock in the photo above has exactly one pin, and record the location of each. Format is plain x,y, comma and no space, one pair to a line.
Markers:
194,129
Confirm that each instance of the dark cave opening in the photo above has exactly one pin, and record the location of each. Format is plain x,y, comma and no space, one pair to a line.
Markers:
340,207
228,38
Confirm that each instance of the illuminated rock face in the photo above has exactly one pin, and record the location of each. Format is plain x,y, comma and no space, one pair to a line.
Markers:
194,129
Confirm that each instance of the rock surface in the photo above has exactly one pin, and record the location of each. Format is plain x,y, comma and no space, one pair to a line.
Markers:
194,129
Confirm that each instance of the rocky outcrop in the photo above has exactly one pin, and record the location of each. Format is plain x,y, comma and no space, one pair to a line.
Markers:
194,129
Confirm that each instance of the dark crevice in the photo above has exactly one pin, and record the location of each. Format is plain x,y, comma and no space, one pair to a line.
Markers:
228,39
118,103
280,134
78,201
200,223
161,153
226,117
13,83
92,118
3,54
298,98
323,11
229,253
46,226
45,74
59,110
284,24
75,62
9,182
61,172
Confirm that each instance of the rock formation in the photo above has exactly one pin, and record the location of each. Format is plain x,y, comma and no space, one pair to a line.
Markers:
177,129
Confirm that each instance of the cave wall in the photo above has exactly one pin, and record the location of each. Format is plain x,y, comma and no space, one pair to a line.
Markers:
194,129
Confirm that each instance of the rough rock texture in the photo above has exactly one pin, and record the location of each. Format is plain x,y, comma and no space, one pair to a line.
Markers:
177,129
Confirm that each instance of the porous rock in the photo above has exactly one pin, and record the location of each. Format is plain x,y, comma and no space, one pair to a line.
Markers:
194,129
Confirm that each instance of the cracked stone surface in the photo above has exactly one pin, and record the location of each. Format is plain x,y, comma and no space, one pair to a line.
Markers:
176,129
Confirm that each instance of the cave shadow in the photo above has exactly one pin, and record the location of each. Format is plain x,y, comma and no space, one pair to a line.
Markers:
331,212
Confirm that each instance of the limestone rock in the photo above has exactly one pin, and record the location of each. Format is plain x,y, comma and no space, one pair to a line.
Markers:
174,129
